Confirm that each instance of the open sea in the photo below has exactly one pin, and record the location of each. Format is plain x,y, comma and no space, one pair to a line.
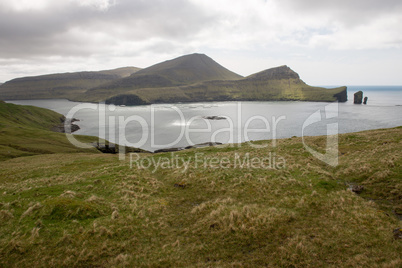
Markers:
159,126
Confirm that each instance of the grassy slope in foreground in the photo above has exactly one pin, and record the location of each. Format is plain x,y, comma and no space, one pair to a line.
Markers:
26,130
93,210
59,86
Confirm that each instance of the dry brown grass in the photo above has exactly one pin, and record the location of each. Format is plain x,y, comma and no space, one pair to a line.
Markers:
93,210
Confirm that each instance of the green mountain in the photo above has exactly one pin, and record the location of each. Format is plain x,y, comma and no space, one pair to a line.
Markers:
185,70
162,83
65,85
276,84
189,78
189,69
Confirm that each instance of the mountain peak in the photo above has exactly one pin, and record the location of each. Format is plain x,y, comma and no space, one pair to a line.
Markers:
195,55
280,72
190,68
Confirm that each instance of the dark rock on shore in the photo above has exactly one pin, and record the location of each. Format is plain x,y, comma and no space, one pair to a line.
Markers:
365,100
106,148
126,99
63,121
358,97
74,128
342,96
111,148
168,150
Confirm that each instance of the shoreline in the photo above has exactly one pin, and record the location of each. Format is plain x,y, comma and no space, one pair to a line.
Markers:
212,144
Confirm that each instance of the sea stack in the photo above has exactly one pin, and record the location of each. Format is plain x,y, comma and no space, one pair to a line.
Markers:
365,100
358,97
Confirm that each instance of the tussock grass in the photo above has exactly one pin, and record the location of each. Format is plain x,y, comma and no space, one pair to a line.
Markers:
93,210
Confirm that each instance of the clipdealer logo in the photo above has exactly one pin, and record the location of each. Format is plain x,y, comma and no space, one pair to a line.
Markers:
118,124
113,128
330,156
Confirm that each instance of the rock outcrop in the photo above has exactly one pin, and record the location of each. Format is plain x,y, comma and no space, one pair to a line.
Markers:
111,148
214,117
365,100
65,121
358,97
126,99
342,96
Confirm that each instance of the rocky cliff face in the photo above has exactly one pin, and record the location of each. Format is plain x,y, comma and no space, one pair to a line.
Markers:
126,99
342,96
358,97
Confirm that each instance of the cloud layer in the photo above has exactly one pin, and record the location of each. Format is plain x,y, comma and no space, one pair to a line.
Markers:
47,36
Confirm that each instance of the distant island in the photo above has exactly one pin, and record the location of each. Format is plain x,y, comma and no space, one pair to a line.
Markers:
189,78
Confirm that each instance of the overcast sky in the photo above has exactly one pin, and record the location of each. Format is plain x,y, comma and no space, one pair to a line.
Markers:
328,42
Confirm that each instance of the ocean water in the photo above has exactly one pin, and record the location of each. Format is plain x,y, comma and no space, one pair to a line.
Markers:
378,95
159,126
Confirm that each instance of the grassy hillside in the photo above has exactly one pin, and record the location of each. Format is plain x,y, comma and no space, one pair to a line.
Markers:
190,69
280,83
185,70
93,210
27,131
64,85
189,78
274,84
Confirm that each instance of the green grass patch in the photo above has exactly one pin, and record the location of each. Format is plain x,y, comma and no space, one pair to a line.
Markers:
62,208
84,209
27,131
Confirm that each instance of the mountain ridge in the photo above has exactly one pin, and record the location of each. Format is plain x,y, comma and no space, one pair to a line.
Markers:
280,72
189,78
187,69
59,85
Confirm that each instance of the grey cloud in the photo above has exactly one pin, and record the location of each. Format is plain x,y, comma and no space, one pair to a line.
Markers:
355,5
49,32
347,12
